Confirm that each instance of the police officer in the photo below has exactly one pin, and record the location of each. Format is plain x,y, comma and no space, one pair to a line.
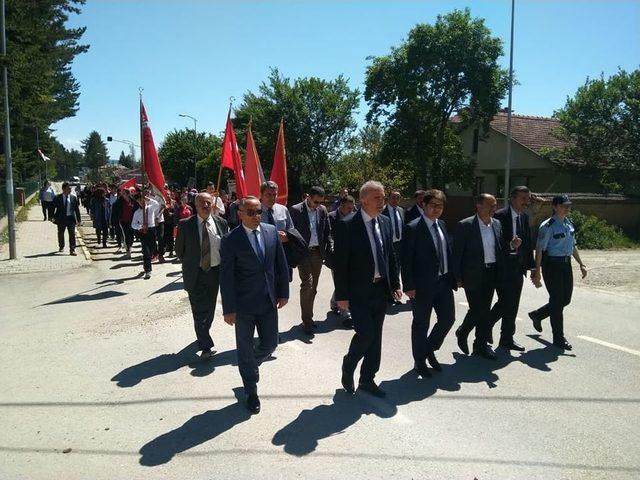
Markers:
555,246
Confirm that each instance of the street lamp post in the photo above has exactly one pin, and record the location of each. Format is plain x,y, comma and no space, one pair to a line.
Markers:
195,134
507,167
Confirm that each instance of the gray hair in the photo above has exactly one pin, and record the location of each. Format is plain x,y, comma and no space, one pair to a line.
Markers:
268,185
370,186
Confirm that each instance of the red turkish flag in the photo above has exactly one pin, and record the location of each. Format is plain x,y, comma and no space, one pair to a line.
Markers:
279,170
152,166
254,175
128,184
230,157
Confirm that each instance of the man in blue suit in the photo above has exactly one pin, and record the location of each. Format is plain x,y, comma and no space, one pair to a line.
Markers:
254,282
427,278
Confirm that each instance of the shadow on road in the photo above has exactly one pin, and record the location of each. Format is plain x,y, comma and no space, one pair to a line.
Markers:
331,323
38,255
196,431
170,362
84,297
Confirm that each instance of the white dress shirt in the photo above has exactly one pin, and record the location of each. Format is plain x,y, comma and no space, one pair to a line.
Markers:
137,222
488,241
440,239
281,216
313,226
252,240
514,226
214,239
372,241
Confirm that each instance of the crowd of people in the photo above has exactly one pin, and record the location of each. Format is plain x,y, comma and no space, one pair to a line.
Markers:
247,249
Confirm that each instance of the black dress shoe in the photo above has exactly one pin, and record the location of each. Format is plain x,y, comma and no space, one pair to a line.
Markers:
422,370
347,323
484,351
537,323
433,361
490,337
563,344
347,382
253,404
511,346
372,389
462,342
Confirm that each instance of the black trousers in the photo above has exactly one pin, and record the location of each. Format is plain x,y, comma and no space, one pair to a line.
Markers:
397,250
101,234
558,279
366,344
203,299
439,299
47,209
250,358
128,234
160,239
509,291
69,224
168,236
479,298
148,242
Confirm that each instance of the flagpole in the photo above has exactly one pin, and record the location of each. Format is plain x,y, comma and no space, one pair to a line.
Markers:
507,167
143,171
231,99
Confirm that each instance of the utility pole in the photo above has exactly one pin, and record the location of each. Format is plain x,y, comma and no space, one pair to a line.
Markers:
7,137
507,167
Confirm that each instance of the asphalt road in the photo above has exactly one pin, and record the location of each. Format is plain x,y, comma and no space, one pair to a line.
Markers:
101,362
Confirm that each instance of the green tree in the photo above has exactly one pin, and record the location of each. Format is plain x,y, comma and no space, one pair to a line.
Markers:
126,160
42,88
441,69
601,128
318,120
180,148
95,151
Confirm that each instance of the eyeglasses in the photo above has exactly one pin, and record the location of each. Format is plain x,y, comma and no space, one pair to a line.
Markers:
252,213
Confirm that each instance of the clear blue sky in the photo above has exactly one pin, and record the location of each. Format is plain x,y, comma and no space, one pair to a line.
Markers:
191,56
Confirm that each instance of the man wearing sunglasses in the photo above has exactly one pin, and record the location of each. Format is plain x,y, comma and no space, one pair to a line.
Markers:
254,283
311,219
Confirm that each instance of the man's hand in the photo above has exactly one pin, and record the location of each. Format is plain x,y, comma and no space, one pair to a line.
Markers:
516,242
343,304
536,278
282,302
583,270
230,318
410,293
283,236
397,295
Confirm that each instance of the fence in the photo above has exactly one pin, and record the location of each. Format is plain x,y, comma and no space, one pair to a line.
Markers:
29,187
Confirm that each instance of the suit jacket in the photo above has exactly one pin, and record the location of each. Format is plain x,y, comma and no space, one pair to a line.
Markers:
388,213
468,252
245,282
412,214
420,261
187,246
525,252
354,260
59,213
334,218
300,217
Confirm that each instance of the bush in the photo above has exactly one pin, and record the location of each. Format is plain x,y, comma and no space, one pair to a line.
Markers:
594,233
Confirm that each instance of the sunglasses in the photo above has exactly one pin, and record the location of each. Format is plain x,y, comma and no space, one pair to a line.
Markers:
252,213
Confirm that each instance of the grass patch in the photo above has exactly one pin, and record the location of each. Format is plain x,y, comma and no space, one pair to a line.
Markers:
22,215
593,233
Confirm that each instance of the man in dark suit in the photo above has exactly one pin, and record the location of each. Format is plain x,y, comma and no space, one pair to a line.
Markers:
478,261
344,210
254,282
66,215
427,279
516,233
366,279
311,219
198,248
396,214
415,212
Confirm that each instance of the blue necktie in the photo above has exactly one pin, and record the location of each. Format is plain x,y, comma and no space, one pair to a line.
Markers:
382,264
258,247
395,223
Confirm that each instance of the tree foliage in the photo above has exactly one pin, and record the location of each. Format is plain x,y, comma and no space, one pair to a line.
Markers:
601,125
441,69
42,88
180,148
318,120
95,151
126,160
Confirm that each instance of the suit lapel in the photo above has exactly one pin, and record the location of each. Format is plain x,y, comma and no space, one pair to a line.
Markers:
478,235
425,233
496,233
359,222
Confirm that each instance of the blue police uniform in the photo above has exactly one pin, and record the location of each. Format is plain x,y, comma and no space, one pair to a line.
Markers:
556,238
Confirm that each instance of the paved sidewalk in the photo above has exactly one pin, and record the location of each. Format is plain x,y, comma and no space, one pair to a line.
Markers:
37,248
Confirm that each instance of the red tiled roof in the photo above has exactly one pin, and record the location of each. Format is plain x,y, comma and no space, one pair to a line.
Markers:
534,133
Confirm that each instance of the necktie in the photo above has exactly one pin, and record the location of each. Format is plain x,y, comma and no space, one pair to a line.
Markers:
270,218
439,247
396,229
382,264
66,205
518,226
259,251
205,248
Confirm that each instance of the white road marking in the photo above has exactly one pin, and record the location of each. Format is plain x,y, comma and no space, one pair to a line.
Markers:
610,345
